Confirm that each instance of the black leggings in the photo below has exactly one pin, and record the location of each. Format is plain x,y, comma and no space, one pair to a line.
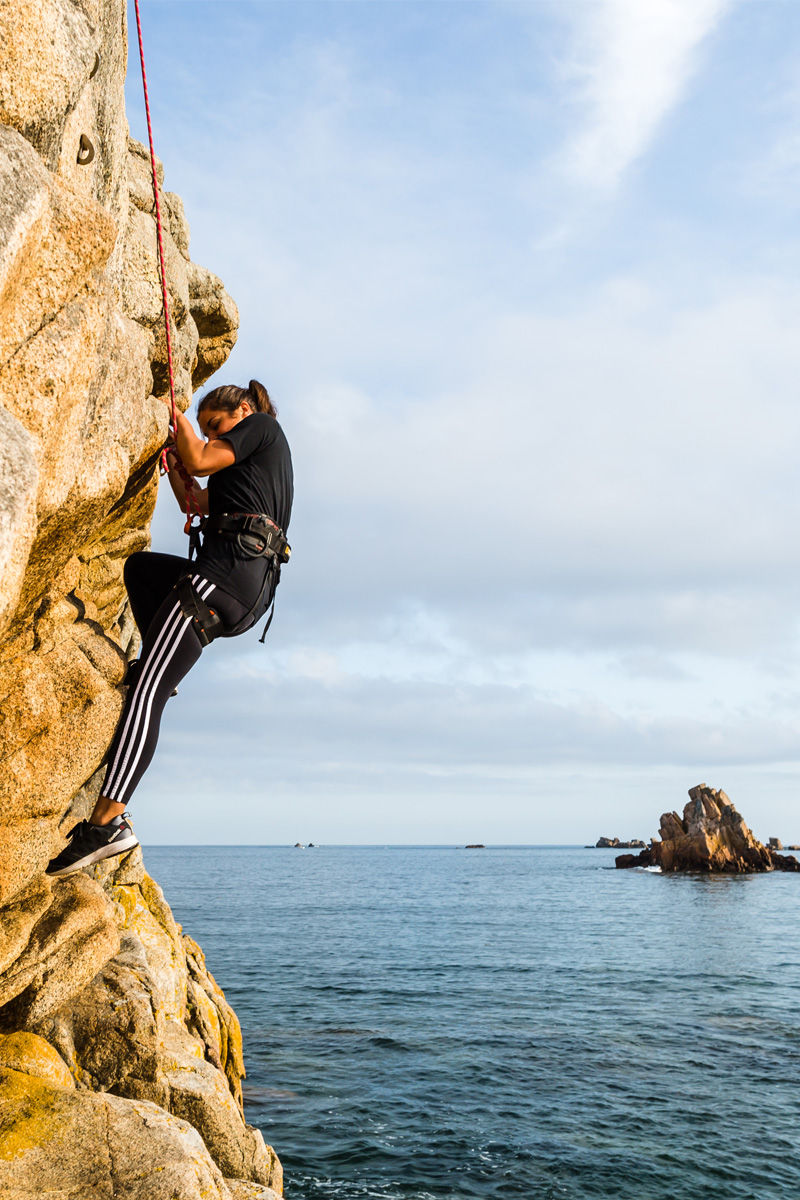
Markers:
170,648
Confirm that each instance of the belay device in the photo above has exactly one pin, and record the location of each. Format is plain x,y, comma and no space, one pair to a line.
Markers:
256,536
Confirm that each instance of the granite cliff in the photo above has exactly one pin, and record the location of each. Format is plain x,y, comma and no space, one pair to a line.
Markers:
120,1059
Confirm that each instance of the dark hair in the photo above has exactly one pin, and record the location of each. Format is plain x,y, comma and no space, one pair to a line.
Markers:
229,397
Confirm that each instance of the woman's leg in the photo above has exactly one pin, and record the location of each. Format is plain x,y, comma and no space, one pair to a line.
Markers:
149,579
169,651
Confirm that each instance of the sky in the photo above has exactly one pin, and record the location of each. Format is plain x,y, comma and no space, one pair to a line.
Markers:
522,278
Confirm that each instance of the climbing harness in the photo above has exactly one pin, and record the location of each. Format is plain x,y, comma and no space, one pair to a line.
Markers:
257,536
192,504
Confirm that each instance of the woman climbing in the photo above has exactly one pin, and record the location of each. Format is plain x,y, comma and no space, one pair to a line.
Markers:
180,607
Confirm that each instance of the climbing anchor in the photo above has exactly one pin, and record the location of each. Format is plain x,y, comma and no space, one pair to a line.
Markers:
85,151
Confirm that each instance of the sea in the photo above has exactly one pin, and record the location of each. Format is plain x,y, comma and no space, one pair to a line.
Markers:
437,1023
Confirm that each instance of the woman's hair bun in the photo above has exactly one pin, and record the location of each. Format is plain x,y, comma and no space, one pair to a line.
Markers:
261,398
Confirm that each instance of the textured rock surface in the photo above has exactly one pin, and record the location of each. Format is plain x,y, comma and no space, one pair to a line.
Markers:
34,1056
138,1028
120,1060
711,836
57,1141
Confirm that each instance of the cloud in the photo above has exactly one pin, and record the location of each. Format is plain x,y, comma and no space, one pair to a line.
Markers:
455,726
630,66
615,478
619,475
367,760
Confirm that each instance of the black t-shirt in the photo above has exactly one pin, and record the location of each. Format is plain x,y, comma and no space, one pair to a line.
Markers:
260,481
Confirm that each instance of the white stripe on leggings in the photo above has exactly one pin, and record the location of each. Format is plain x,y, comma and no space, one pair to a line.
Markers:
169,627
134,711
134,735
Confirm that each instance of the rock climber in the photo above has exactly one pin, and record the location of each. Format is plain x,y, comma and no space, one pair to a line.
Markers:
180,606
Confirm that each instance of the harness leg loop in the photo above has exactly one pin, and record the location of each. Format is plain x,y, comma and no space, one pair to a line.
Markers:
206,623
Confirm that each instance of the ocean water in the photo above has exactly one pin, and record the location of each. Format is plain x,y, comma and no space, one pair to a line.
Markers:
434,1022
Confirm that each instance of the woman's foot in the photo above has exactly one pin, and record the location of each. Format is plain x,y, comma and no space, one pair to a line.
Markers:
91,843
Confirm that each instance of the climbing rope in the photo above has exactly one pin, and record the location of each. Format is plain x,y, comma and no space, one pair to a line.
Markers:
192,504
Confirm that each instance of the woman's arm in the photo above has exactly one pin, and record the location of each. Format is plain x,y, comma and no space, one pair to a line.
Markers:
179,487
199,457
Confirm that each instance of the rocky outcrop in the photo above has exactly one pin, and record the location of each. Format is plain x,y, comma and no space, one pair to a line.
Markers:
710,837
605,843
58,1141
120,1060
643,859
149,1054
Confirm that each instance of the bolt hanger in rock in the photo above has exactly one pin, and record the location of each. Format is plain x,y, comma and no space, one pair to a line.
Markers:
85,151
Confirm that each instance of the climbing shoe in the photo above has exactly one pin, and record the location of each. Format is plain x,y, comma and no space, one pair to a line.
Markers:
90,843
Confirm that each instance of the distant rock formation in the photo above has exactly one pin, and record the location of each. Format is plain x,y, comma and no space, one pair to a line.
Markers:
710,837
605,843
120,1059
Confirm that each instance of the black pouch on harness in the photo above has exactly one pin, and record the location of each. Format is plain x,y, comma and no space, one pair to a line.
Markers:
207,624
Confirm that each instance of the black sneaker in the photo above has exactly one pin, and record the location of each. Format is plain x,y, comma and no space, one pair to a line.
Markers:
90,843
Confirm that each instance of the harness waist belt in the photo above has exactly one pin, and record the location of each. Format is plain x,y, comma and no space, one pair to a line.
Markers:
256,534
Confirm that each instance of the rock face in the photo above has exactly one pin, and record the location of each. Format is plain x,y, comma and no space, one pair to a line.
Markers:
120,1060
711,836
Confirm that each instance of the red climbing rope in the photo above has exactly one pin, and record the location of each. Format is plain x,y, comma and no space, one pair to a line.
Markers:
192,505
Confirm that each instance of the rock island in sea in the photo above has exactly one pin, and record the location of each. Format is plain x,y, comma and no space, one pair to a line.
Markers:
120,1059
710,837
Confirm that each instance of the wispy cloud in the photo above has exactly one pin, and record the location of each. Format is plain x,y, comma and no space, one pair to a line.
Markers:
631,63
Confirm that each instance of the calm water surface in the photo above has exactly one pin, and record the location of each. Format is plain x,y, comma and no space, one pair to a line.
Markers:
438,1023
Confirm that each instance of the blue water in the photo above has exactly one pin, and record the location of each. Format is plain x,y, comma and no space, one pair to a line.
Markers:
430,1022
